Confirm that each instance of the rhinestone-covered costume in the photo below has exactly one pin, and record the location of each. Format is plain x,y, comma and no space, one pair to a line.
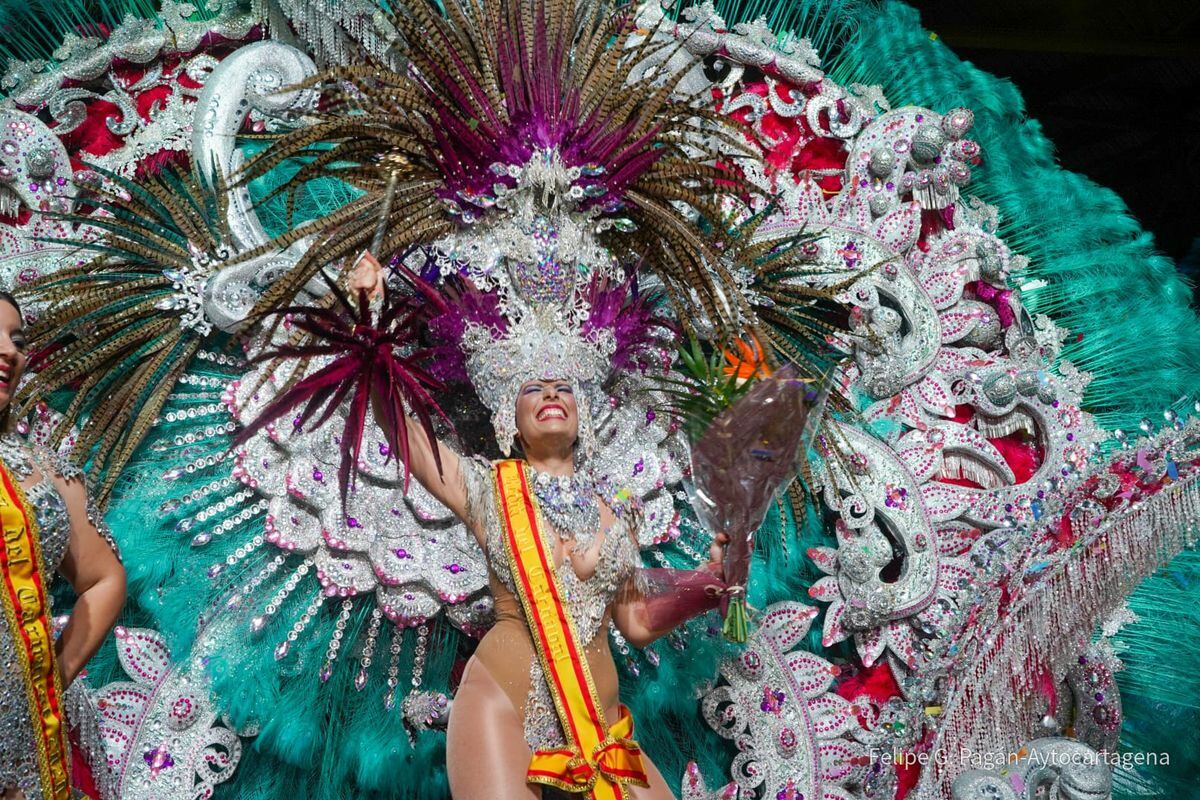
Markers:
506,651
35,469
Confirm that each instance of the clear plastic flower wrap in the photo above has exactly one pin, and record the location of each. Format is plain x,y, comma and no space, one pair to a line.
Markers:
748,453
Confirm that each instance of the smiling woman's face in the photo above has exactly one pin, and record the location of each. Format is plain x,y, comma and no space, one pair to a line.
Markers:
547,417
12,351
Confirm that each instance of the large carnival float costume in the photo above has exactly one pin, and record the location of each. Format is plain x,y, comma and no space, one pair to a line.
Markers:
571,190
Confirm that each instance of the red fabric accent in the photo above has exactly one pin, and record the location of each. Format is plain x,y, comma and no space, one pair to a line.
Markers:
907,776
1063,535
81,774
798,148
153,165
1047,689
92,137
878,683
1022,454
154,96
20,219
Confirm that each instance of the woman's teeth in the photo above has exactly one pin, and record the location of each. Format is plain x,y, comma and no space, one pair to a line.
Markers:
551,413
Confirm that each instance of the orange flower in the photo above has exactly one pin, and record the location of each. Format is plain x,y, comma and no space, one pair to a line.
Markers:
748,362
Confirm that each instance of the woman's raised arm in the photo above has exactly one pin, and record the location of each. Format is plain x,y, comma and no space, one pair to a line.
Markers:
446,484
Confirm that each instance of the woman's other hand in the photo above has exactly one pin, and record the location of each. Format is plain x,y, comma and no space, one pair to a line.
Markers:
716,554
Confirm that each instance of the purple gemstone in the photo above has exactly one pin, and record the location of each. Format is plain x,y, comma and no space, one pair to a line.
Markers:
158,759
318,476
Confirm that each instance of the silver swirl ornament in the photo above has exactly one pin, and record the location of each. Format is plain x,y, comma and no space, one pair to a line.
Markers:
795,737
1050,767
34,168
256,79
888,567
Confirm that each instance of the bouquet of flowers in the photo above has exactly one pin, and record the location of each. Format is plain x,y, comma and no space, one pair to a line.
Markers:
746,424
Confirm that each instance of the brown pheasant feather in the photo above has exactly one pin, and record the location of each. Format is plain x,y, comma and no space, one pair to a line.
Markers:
121,329
492,84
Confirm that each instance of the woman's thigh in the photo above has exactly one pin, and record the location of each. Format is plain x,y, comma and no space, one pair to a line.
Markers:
486,754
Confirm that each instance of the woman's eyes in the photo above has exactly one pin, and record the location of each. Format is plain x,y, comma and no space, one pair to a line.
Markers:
562,387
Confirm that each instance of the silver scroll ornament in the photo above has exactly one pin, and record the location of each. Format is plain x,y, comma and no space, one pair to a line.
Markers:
794,737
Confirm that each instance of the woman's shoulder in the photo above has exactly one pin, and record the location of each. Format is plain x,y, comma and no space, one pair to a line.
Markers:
59,469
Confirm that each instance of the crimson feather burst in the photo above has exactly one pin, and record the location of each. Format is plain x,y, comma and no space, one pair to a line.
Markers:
373,359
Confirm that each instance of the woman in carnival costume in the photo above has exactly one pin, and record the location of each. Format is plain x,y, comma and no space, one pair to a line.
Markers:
545,199
544,668
560,167
49,529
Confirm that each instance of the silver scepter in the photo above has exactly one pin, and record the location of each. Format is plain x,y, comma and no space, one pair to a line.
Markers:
389,195
385,211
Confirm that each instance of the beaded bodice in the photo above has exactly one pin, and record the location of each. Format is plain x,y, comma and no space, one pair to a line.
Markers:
587,599
18,766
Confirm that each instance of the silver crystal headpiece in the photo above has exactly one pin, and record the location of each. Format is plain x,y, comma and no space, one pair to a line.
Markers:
541,344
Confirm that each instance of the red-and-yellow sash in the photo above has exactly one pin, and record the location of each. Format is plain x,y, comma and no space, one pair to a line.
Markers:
598,760
27,612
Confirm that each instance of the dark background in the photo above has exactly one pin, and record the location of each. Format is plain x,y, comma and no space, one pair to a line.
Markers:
1116,86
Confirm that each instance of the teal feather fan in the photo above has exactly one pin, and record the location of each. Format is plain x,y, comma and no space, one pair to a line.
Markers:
1160,685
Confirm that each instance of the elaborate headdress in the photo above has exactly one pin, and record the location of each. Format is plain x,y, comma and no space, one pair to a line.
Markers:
530,150
603,329
541,346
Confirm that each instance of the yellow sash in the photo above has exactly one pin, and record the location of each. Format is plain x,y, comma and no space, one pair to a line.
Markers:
598,760
23,596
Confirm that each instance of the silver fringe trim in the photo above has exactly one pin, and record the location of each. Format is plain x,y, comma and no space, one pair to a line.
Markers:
994,700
